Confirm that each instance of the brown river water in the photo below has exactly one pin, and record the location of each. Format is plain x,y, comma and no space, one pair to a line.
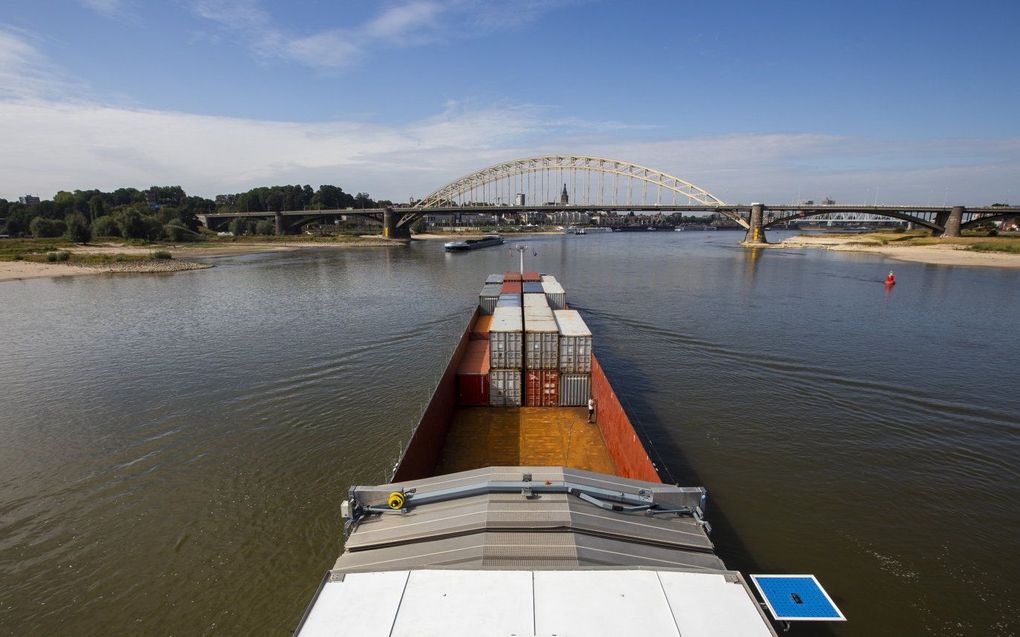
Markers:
174,448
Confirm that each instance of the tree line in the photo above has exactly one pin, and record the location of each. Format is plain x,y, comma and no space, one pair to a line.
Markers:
160,212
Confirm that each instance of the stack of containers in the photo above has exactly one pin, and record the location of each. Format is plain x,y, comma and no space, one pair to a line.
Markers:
494,278
574,358
530,287
531,277
473,374
554,292
505,357
488,296
541,352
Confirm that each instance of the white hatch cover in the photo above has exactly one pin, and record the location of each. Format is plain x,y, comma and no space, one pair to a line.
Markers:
589,602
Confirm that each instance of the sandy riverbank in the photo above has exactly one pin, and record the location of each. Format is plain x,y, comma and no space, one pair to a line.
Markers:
18,270
937,254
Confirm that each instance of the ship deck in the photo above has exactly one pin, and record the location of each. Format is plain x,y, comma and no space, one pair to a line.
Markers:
524,436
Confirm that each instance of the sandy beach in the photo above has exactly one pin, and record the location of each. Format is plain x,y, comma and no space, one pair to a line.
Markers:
937,254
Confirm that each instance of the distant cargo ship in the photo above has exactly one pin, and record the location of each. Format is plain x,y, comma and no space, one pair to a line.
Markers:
515,510
474,244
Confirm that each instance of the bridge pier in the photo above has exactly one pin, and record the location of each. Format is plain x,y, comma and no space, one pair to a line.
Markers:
390,228
278,223
756,233
953,222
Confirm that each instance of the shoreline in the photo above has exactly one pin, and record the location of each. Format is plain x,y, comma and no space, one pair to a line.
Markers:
933,254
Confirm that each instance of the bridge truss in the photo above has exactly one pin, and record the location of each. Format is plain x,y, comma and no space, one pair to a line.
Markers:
574,180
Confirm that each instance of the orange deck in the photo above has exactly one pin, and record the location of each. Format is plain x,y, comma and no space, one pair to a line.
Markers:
524,436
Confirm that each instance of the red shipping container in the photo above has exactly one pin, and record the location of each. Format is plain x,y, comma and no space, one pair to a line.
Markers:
511,276
473,374
511,287
480,330
531,277
543,388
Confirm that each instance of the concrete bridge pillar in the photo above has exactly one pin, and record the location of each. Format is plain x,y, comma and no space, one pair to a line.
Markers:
954,222
756,233
278,222
390,228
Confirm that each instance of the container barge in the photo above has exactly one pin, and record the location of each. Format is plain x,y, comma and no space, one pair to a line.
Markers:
473,244
513,512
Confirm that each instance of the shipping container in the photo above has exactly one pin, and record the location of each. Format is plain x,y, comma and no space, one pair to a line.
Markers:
531,276
505,338
480,330
548,278
494,278
541,339
510,287
505,387
575,342
532,288
531,300
556,295
473,374
575,389
488,296
543,388
511,276
509,300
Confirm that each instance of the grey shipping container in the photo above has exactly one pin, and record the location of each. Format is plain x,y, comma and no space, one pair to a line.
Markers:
505,387
575,342
532,288
505,338
555,294
574,389
488,297
541,340
494,278
509,300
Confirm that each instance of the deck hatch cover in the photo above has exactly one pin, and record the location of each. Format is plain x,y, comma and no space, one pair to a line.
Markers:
796,598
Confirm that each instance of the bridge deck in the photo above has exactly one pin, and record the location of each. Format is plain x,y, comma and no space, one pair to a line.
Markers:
533,436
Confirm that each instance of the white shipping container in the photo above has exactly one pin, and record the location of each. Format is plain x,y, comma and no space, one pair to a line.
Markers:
575,342
494,278
555,294
541,342
505,387
575,390
505,338
535,300
548,278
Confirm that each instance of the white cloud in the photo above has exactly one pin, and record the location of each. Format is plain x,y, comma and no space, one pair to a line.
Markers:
409,24
109,8
52,142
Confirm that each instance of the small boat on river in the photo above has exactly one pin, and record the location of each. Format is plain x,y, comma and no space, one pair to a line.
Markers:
473,244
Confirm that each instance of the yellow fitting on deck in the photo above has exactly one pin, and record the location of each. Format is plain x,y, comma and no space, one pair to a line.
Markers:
396,500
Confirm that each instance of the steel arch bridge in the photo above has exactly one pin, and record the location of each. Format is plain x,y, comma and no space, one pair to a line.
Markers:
574,180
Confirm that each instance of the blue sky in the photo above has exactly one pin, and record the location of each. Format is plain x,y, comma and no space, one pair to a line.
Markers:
907,101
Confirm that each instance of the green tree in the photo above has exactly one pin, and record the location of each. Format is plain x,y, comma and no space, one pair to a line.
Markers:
78,230
43,227
419,225
177,231
105,226
265,227
131,224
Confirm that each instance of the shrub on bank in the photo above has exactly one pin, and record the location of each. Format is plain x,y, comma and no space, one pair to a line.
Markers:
162,254
57,256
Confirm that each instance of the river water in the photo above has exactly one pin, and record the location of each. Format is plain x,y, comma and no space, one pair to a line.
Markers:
174,448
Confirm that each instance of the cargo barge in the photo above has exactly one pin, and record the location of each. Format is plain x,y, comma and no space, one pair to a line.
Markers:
513,512
473,244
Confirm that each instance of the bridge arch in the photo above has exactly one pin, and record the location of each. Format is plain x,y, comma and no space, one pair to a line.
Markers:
586,179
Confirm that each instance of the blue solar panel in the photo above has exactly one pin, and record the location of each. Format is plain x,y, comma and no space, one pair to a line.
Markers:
796,597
